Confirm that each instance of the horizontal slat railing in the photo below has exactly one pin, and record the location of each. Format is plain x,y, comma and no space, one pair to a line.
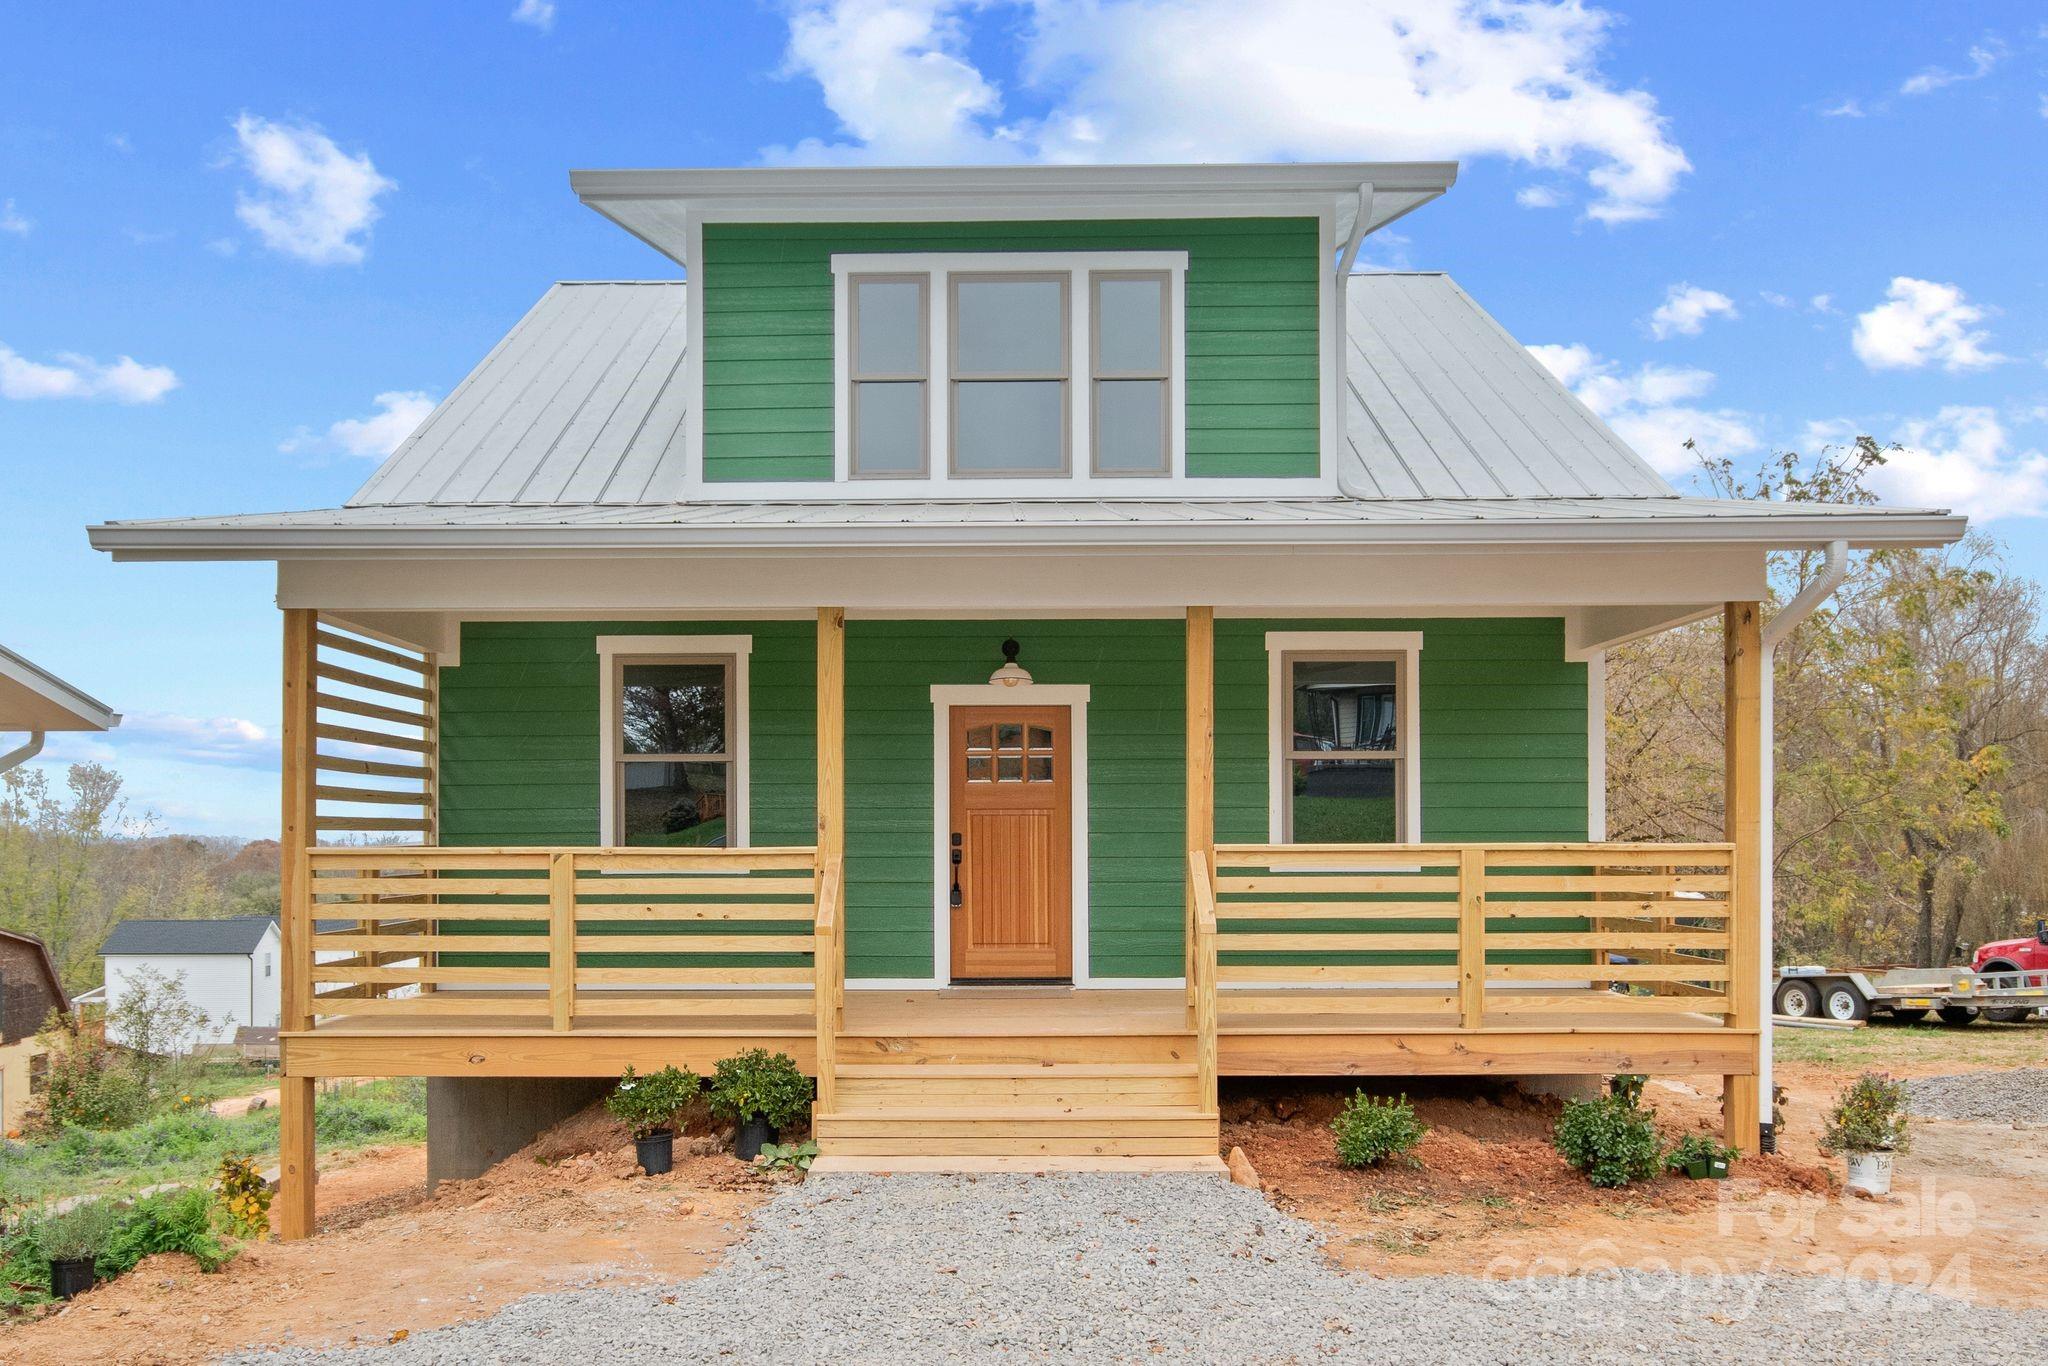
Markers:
1464,932
554,935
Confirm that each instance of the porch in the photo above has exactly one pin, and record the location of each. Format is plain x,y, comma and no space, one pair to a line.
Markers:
1369,959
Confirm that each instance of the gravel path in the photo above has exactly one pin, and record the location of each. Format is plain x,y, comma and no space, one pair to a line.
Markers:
2018,1097
1165,1268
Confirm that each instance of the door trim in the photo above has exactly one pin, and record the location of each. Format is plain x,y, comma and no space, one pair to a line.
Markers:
945,697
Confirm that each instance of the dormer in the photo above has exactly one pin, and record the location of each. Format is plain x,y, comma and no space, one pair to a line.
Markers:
1014,332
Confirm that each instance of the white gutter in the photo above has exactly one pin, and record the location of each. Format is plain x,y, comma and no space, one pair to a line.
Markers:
15,758
1834,568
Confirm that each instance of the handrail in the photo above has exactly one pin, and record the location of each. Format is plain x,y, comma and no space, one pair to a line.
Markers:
1202,973
538,927
1467,929
828,993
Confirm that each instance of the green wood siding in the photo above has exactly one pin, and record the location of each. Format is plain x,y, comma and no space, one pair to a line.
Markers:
1252,339
1503,751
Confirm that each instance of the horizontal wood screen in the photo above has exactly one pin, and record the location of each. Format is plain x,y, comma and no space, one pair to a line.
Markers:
556,935
1473,931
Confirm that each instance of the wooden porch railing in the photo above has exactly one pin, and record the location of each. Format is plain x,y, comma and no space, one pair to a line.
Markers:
1473,930
828,996
556,934
1202,969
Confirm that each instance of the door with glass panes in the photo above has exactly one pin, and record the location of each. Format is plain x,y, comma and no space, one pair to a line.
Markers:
1012,844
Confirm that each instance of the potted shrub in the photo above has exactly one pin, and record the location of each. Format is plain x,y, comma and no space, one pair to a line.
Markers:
1700,1158
71,1242
762,1093
649,1104
1370,1131
1868,1125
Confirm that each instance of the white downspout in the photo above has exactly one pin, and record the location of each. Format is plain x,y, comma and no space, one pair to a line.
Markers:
1833,570
14,758
1347,482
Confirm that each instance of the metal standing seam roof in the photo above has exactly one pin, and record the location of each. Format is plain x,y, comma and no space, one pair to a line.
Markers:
570,434
235,934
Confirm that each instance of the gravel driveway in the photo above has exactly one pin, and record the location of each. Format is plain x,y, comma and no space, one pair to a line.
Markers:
1161,1268
2016,1097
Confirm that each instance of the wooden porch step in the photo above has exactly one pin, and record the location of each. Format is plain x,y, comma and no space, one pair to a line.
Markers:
1014,1051
1018,1145
1068,1116
921,1070
1020,1164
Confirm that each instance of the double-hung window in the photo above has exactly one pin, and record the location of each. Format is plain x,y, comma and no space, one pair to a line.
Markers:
674,762
999,366
1344,737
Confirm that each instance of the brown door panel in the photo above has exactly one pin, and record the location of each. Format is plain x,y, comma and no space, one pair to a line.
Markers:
1012,807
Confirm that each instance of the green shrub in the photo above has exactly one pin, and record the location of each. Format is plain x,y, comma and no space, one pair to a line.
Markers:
1370,1131
1696,1147
649,1103
1610,1140
758,1082
1869,1117
368,1114
787,1157
87,1229
171,1221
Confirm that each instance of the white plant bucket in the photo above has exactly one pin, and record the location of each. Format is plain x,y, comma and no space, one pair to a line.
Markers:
1870,1172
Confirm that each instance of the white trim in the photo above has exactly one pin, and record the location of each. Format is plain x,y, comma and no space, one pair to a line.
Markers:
738,649
945,697
1407,647
1596,747
1080,479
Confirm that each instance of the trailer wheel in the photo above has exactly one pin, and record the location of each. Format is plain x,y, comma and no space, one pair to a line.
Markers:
1909,1016
1799,1000
1843,1002
1958,1015
2006,1016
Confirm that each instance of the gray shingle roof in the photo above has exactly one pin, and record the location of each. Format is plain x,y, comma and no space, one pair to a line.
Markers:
237,934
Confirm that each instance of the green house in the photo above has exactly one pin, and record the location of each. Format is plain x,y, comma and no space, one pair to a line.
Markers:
1024,642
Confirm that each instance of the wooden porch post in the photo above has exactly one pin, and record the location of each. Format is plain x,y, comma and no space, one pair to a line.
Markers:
1201,768
1742,644
831,841
293,1210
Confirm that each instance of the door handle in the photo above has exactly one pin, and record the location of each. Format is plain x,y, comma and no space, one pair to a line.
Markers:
956,871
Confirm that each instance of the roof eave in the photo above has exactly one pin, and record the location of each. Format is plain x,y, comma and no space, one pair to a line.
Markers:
1898,530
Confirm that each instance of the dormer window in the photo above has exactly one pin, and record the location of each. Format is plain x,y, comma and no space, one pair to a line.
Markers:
988,367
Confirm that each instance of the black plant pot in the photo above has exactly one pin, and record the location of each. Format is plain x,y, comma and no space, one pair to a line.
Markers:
71,1276
657,1152
753,1132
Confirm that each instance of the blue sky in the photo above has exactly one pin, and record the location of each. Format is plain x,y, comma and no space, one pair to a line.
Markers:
242,246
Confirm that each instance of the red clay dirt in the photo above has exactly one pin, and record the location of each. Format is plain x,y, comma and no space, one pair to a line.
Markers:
569,1210
1488,1195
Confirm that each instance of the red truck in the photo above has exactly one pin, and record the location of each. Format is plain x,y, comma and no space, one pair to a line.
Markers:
2023,956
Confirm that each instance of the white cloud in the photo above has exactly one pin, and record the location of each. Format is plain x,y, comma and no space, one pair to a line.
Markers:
1215,80
399,413
1775,299
1983,56
312,200
1964,458
1823,303
1686,310
1539,197
200,739
1923,323
12,220
1850,108
538,14
1650,408
127,380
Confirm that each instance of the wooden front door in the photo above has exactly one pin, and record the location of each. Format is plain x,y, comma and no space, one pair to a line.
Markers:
1011,845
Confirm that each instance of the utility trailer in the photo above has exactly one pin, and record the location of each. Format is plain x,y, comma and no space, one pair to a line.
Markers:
1956,995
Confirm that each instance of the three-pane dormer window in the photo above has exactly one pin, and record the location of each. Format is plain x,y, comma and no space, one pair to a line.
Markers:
989,367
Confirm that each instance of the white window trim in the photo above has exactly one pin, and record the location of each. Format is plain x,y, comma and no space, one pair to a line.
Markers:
945,697
1081,481
737,649
1406,646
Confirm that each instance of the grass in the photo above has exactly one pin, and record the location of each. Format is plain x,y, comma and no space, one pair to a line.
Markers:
186,1145
1880,1044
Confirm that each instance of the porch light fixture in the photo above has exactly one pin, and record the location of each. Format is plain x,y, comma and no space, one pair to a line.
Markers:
1011,674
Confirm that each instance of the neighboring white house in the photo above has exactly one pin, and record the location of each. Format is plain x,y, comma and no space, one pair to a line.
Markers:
231,967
